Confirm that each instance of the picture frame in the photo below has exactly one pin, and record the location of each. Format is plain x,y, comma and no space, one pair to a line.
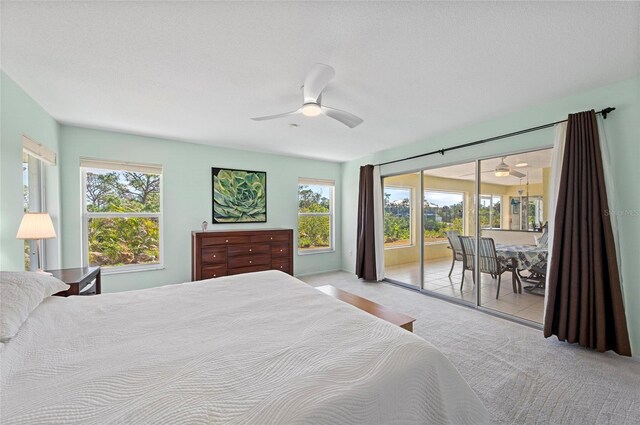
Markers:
238,196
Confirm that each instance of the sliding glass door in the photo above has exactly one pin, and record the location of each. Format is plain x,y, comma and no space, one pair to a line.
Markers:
401,224
512,218
431,222
448,213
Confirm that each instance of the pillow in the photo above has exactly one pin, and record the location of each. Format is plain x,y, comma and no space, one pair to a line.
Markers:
20,294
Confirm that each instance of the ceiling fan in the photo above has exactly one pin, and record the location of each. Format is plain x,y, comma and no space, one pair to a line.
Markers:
502,170
317,79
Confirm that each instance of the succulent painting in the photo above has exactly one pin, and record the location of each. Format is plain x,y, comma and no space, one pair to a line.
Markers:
239,196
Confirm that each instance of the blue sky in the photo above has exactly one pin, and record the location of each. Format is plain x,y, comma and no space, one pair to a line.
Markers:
434,197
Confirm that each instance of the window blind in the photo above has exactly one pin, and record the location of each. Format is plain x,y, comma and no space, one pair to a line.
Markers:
121,166
36,150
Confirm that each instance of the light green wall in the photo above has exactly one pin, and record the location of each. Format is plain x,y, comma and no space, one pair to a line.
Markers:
622,128
186,197
20,114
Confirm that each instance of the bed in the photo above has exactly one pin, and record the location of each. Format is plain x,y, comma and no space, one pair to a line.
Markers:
259,348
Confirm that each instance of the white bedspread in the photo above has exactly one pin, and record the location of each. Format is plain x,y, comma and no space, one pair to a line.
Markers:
260,348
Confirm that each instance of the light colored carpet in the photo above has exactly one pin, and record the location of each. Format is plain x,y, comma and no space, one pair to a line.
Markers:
521,377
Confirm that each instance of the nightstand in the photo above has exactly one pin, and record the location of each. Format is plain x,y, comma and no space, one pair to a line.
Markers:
80,279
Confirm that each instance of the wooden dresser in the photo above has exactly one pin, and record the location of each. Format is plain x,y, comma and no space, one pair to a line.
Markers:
223,253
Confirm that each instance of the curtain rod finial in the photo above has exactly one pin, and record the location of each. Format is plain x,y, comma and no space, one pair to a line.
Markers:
607,111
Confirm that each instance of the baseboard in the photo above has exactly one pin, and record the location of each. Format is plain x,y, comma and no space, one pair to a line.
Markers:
320,272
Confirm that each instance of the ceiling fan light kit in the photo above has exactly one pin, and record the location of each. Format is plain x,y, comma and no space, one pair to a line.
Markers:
311,110
504,170
316,81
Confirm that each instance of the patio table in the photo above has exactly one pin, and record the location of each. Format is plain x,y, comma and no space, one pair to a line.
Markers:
524,255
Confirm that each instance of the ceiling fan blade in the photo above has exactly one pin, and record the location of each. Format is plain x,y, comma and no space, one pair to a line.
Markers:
517,174
317,79
272,117
344,117
474,173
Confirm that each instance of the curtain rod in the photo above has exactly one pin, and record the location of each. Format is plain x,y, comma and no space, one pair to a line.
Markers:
604,113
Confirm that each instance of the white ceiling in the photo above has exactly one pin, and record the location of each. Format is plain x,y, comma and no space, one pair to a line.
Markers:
536,161
197,71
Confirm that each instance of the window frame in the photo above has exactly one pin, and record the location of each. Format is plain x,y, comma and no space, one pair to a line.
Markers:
111,165
412,233
331,184
456,192
41,201
491,197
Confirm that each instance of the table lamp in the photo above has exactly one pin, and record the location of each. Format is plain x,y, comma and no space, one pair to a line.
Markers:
36,226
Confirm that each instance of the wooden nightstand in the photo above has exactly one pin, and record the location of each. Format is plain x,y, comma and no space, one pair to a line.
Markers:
80,280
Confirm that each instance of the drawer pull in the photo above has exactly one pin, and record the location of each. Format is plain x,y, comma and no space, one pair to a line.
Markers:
250,261
227,240
214,256
281,266
249,249
271,238
281,250
215,275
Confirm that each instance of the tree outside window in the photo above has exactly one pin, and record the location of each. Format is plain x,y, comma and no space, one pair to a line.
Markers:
122,217
397,216
315,216
443,212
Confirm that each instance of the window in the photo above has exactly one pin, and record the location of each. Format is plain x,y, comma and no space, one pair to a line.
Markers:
33,201
122,215
490,212
397,216
536,219
315,216
443,211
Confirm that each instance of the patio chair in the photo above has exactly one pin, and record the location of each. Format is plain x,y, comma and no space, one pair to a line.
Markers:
468,246
537,276
489,261
456,248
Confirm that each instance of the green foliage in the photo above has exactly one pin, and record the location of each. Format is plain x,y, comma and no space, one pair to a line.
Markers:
239,196
314,231
397,221
116,241
440,220
121,241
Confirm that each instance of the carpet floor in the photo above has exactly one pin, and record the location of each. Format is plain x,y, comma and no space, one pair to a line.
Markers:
521,377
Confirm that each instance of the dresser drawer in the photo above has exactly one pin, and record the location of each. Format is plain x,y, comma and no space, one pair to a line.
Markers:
280,250
223,240
249,260
281,264
270,237
214,271
251,269
249,249
214,255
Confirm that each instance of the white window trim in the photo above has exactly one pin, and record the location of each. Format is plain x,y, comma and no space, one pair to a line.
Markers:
43,207
411,243
464,196
332,194
491,196
111,165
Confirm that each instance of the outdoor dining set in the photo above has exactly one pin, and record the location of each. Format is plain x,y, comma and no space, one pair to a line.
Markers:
523,261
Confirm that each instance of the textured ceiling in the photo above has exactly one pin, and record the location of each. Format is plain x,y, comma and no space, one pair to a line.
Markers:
197,71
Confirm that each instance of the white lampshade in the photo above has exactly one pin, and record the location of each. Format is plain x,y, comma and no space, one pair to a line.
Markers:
36,226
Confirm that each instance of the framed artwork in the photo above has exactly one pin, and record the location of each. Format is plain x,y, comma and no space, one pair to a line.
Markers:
239,196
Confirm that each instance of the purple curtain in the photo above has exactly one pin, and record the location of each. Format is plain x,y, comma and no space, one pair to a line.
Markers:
584,304
366,247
